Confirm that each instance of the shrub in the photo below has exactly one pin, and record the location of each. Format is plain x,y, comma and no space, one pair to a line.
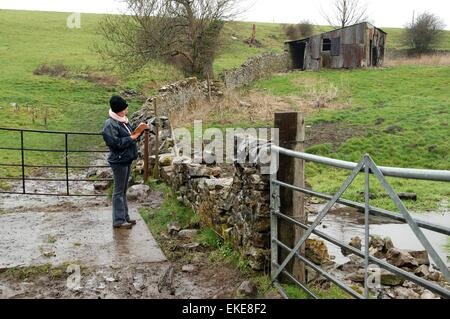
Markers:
303,29
424,33
58,70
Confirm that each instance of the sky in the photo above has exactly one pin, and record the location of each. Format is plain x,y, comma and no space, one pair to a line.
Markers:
383,13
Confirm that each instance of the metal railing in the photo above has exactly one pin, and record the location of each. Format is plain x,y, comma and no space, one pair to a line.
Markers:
368,167
66,151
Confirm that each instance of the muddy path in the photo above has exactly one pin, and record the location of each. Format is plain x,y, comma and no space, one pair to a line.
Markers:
64,247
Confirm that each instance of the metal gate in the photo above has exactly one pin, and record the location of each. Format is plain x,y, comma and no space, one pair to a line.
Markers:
368,166
66,151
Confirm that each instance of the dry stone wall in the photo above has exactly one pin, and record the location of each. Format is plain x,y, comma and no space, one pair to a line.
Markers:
256,68
231,199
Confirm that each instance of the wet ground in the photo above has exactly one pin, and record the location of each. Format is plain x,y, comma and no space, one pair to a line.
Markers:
344,223
72,232
39,238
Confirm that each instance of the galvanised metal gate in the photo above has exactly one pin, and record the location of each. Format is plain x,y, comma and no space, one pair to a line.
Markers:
67,167
368,166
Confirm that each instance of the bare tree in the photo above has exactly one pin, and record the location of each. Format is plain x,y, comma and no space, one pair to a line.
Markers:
424,32
186,31
346,12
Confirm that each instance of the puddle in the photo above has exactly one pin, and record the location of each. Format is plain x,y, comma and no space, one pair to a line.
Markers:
344,224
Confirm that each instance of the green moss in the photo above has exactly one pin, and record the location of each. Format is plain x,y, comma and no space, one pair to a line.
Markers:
24,273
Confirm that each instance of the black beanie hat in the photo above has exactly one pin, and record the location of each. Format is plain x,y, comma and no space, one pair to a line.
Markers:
118,104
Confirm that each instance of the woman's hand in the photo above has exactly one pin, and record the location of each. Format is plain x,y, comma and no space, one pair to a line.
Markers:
141,128
144,126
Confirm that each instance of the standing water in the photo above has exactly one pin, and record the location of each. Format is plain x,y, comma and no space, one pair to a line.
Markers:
344,223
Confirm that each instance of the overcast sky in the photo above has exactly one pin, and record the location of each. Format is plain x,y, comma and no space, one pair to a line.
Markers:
384,13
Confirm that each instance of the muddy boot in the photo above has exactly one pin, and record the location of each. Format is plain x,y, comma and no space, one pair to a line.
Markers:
123,226
131,221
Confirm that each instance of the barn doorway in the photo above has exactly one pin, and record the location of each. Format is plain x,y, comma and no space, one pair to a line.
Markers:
374,56
297,50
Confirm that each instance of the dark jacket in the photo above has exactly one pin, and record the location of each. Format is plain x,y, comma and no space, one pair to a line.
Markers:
123,149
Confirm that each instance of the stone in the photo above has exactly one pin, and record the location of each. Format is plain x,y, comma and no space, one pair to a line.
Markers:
404,293
247,289
401,258
316,251
138,192
102,186
382,245
173,228
350,267
422,271
389,279
376,242
386,278
383,295
355,242
180,160
188,268
435,276
110,279
104,173
101,286
218,183
257,257
428,295
165,160
421,257
138,282
388,244
197,170
357,276
188,233
375,252
255,179
216,172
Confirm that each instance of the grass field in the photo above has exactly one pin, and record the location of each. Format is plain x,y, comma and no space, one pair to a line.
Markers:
73,103
404,112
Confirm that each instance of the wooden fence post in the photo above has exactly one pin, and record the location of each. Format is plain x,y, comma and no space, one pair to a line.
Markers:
146,154
156,168
291,171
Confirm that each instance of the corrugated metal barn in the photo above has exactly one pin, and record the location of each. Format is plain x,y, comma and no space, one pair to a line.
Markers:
357,46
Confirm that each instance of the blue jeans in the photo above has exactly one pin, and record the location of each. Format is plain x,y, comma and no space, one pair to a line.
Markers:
119,198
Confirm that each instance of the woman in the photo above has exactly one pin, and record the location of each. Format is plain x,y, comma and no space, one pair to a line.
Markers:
121,138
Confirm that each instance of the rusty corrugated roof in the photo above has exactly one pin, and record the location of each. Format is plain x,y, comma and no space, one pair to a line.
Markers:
320,34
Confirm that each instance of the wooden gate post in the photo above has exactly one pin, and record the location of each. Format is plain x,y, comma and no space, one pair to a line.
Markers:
156,168
291,171
146,154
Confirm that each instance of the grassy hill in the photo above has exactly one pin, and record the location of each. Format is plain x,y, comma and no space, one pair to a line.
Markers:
414,98
400,116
